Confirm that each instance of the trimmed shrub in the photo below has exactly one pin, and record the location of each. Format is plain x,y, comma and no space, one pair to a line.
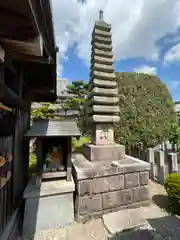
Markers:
77,145
172,186
146,111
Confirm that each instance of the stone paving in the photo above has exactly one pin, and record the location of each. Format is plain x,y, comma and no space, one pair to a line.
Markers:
146,223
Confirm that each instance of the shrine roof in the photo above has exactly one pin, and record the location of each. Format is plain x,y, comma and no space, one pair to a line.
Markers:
56,128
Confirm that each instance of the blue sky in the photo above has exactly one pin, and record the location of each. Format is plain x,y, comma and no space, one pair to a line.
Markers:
145,37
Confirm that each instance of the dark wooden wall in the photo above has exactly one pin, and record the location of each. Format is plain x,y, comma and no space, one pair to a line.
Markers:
11,194
6,192
21,155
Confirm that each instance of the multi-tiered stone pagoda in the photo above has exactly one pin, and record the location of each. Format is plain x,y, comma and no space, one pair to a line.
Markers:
105,176
102,106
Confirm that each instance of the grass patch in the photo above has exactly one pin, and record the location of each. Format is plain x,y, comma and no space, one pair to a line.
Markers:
77,145
32,162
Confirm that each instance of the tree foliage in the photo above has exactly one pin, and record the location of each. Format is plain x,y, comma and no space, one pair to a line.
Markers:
79,90
44,111
174,135
146,111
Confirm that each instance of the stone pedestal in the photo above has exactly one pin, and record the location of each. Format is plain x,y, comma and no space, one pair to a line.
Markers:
47,206
105,186
103,152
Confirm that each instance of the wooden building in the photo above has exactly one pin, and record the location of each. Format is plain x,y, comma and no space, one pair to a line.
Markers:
27,73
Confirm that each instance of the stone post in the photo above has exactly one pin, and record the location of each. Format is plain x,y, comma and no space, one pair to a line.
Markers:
161,173
151,161
173,162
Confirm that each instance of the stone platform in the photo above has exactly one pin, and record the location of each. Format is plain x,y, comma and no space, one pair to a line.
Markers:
49,205
105,186
103,152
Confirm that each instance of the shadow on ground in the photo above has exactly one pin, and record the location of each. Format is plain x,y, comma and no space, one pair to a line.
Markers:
165,203
161,201
161,228
141,234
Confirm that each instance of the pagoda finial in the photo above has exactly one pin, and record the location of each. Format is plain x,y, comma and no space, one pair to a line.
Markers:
101,16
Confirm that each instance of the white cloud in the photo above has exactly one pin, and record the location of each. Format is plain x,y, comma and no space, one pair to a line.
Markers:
136,25
145,69
173,54
59,69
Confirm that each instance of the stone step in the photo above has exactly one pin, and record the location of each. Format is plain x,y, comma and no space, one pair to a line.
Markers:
124,220
103,75
101,83
104,119
103,100
106,40
102,60
101,53
101,33
103,109
102,46
102,92
102,68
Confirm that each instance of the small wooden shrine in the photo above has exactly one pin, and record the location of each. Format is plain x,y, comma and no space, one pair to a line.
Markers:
53,147
49,195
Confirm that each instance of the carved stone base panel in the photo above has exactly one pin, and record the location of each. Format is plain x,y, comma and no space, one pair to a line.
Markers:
102,187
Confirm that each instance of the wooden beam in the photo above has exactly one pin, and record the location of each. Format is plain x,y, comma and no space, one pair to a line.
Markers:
15,25
18,47
2,54
9,64
35,97
41,90
69,159
1,80
39,19
21,80
28,58
8,97
4,107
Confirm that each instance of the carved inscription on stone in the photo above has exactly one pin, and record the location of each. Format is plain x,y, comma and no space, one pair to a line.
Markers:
103,134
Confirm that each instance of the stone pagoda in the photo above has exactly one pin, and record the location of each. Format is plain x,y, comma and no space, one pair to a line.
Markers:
102,106
106,178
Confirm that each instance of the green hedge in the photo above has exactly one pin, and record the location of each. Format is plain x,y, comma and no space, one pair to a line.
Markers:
146,110
77,145
172,186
